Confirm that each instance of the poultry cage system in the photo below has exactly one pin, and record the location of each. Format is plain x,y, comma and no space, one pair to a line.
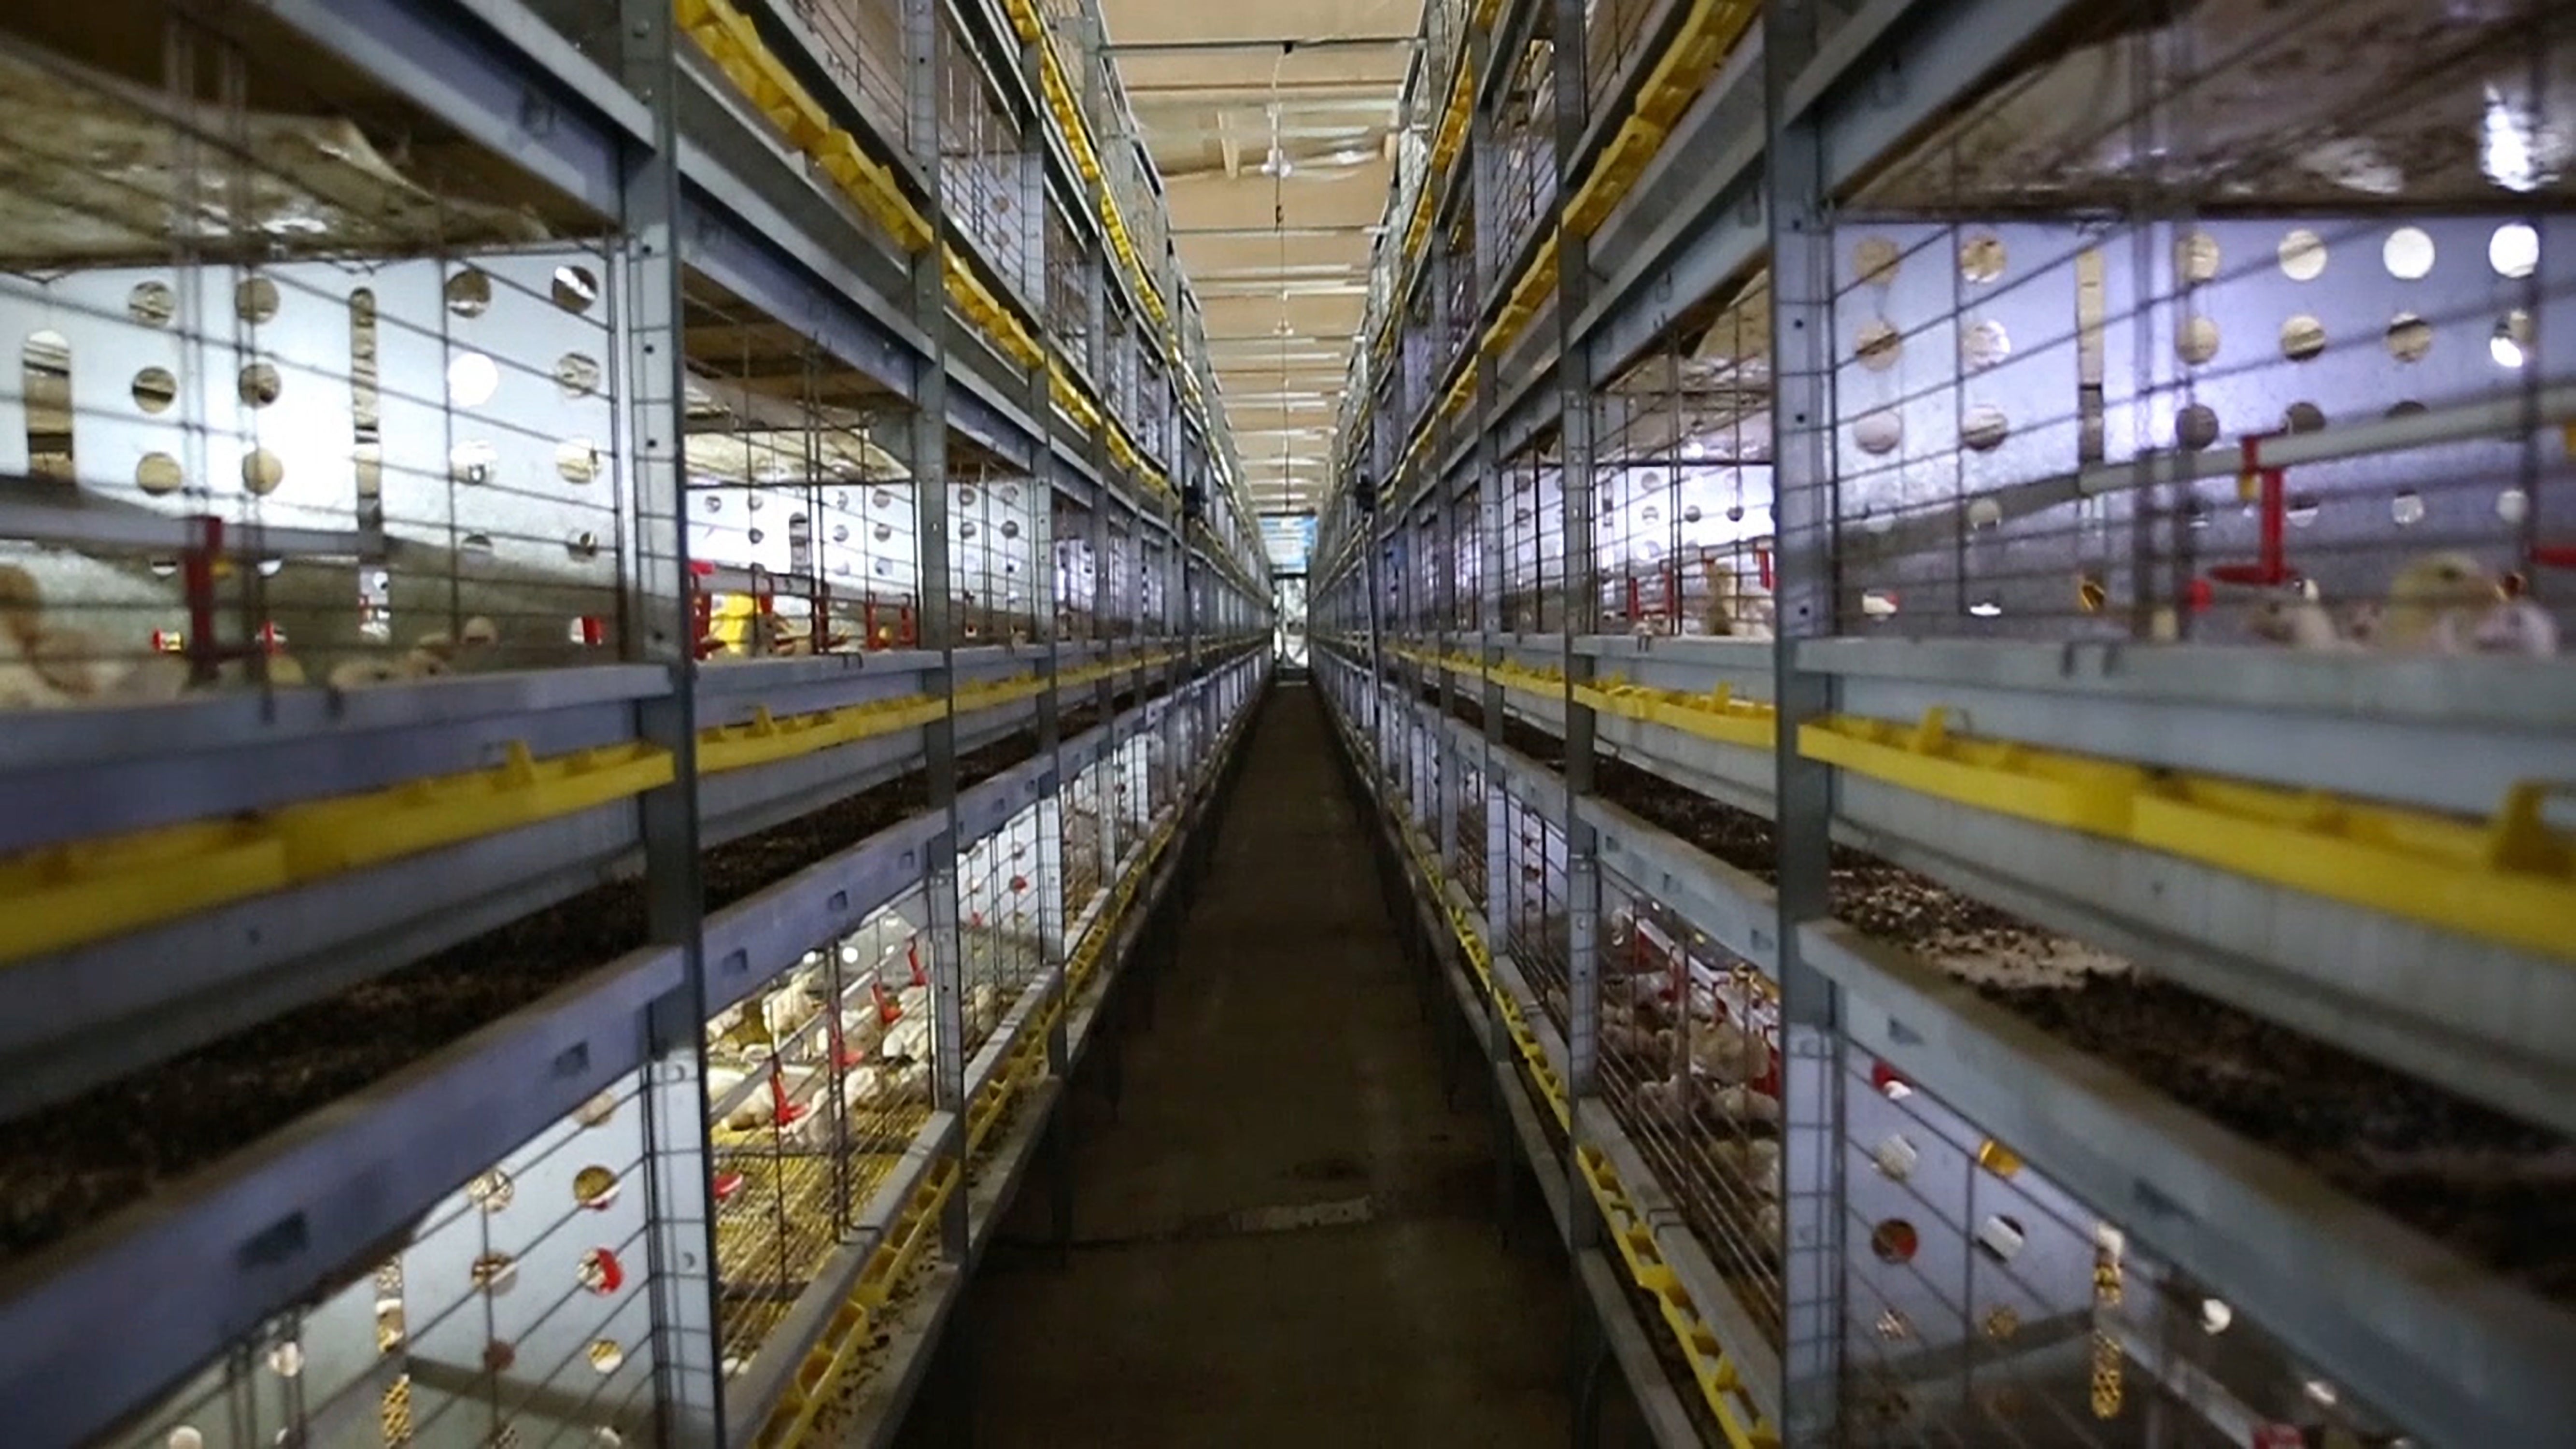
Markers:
1963,654
594,702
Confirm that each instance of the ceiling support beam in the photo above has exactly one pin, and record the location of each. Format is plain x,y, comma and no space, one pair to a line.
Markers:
1284,44
1354,229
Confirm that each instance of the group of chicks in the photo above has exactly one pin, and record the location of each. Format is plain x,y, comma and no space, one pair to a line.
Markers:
46,665
2440,603
1696,1070
1735,607
881,1050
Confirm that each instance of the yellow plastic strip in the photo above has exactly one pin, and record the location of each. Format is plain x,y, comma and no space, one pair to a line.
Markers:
64,896
2509,879
848,1337
1711,1368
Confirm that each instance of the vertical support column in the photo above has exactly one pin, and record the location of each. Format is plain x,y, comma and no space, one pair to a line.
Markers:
657,630
1442,597
1802,267
1582,603
925,47
1105,691
1044,638
1490,504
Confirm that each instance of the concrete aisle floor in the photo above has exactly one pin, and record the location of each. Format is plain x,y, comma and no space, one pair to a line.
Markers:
1288,1066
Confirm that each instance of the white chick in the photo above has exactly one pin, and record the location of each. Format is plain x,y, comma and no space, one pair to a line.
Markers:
905,1085
1735,608
2298,621
864,1088
2516,626
862,1032
908,1039
2428,591
785,1011
983,1008
1767,1224
725,1021
721,1083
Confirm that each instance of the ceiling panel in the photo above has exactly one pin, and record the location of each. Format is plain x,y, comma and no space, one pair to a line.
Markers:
1276,165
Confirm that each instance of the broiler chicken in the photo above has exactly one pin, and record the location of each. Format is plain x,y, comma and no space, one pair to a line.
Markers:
785,1010
1755,1162
1728,1056
2437,592
908,1038
2300,621
1734,609
1743,1104
862,1032
1666,1099
1621,1036
432,655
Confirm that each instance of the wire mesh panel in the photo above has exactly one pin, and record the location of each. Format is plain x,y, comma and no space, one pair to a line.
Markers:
2251,397
1132,789
816,1084
979,157
1683,527
1077,573
1534,924
1068,290
802,532
1522,182
1458,278
862,48
1118,387
1004,905
518,1310
1161,760
1689,1062
1153,584
418,440
285,406
1079,817
1533,544
1430,560
1124,586
994,543
1985,1305
1153,412
1467,860
1614,34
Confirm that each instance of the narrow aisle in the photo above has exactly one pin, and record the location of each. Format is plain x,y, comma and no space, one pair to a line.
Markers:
1286,1237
